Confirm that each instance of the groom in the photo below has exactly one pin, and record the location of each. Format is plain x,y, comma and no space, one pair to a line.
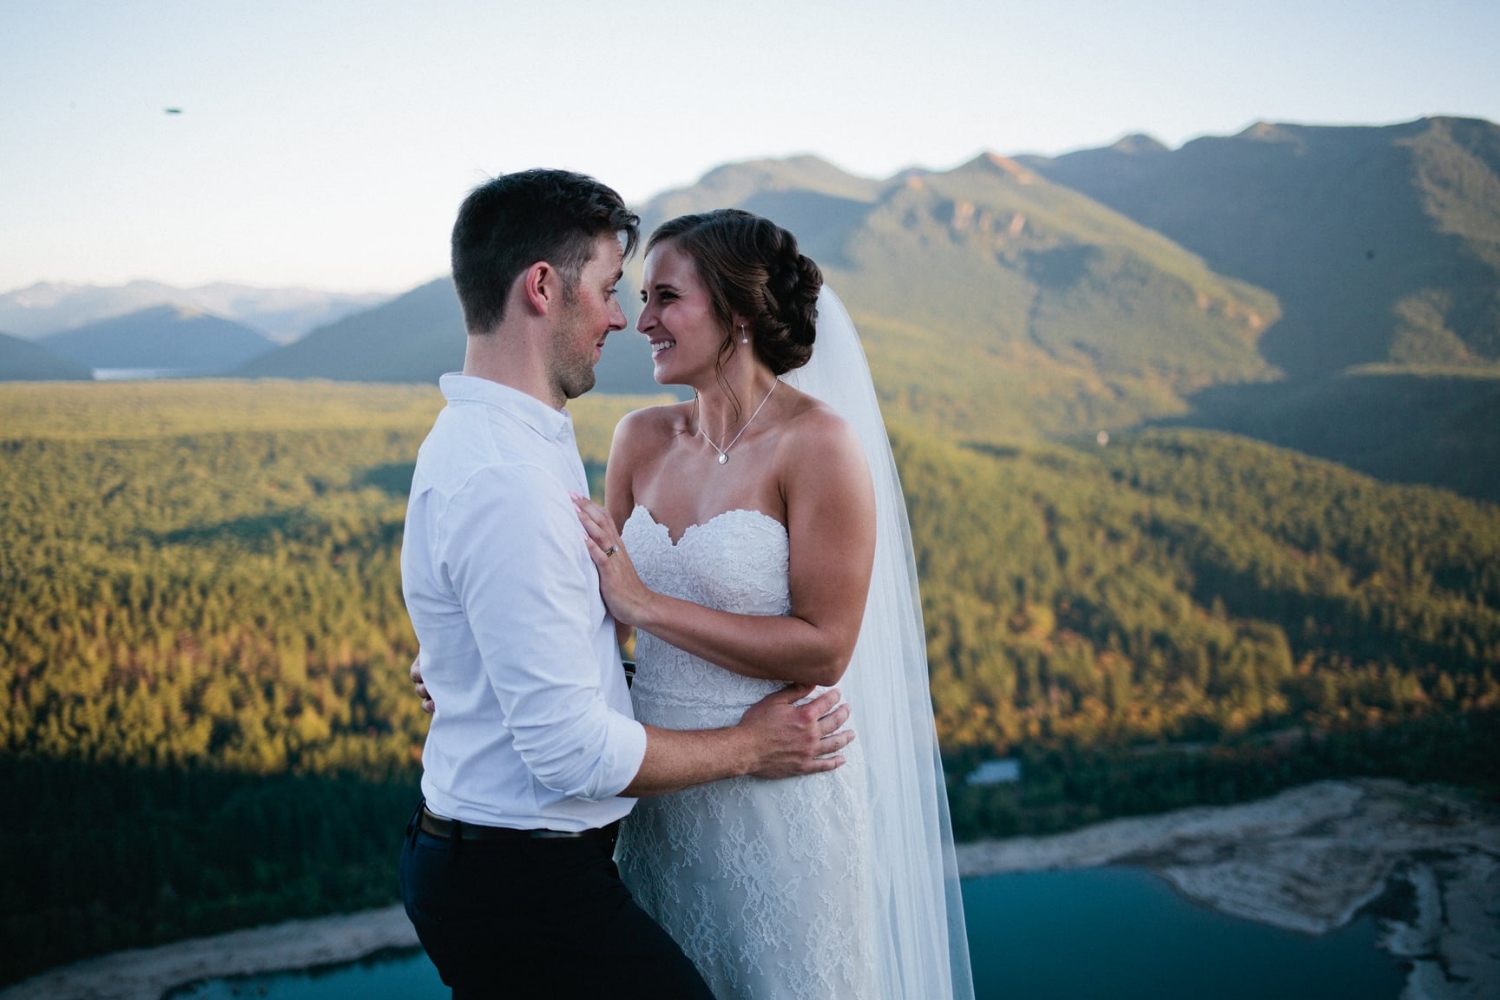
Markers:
533,756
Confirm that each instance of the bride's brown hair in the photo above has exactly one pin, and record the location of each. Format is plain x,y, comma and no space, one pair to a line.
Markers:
751,267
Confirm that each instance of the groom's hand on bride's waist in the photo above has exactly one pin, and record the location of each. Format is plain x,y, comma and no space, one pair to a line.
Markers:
775,738
790,739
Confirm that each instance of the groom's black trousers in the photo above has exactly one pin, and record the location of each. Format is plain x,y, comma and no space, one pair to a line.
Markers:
523,918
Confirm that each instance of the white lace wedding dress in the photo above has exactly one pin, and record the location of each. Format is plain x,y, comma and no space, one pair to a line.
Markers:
765,884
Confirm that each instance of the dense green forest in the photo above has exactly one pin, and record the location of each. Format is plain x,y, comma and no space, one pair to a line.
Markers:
1181,585
204,650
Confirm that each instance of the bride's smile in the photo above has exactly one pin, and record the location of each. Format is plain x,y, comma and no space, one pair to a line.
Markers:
678,318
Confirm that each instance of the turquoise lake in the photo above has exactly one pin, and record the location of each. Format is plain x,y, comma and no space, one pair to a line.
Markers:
1119,933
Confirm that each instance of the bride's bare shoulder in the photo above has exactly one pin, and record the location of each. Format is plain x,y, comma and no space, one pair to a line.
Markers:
818,438
651,427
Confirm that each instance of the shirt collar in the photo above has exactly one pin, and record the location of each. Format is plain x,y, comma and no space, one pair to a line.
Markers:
549,423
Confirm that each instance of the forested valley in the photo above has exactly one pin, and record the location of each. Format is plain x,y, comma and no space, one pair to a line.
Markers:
204,651
1184,618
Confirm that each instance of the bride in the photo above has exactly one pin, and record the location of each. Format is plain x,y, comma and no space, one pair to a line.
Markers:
762,538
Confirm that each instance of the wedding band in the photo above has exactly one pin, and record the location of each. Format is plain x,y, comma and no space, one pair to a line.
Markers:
611,550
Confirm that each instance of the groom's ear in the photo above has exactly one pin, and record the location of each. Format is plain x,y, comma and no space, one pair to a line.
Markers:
539,288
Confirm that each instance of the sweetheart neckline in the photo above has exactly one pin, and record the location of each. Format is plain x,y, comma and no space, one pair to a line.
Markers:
693,527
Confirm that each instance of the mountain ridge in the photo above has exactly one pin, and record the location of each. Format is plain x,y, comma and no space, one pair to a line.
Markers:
1004,299
283,314
1381,242
173,337
1003,267
21,360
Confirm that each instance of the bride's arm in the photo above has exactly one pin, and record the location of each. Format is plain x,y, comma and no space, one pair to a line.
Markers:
830,511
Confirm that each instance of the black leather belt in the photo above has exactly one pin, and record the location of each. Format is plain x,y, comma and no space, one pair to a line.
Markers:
450,829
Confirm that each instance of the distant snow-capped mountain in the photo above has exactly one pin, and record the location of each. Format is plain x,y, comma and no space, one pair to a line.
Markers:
282,314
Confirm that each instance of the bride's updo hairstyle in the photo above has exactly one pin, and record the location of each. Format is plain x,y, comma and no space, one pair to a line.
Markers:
751,267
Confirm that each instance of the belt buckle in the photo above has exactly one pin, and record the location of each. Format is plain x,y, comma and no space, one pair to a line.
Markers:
554,835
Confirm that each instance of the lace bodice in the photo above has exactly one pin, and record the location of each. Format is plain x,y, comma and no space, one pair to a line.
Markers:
765,884
736,561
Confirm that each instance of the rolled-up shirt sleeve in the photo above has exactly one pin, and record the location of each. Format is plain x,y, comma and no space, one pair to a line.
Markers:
516,556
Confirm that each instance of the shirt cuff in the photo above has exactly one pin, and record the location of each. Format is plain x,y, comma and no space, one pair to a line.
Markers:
625,754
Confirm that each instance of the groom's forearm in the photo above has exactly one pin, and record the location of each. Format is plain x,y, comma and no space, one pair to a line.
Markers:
677,759
780,736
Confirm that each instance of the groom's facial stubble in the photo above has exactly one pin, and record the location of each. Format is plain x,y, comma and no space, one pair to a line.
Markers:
588,313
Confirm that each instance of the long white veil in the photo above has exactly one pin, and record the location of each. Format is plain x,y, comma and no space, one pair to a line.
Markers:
921,943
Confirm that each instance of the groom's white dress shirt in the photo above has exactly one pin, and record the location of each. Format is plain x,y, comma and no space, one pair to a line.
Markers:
533,727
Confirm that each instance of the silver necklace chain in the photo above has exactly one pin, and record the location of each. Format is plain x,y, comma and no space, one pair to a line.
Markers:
724,451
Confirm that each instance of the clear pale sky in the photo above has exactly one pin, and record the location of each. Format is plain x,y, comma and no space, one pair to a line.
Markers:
327,144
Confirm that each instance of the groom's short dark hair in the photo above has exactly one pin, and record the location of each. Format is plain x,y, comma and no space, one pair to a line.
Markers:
507,224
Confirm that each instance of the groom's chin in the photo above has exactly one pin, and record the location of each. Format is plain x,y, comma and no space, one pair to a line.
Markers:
576,387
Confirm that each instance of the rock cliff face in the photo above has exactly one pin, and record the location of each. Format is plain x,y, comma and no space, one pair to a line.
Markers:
1424,860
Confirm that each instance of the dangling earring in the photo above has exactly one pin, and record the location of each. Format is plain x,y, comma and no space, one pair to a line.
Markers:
744,337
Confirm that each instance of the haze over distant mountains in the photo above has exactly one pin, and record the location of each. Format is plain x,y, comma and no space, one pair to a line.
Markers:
23,361
282,314
163,337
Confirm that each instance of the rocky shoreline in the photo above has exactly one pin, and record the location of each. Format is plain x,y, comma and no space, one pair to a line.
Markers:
148,973
1424,860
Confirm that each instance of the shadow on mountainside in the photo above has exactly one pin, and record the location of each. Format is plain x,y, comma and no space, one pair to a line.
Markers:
1432,428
